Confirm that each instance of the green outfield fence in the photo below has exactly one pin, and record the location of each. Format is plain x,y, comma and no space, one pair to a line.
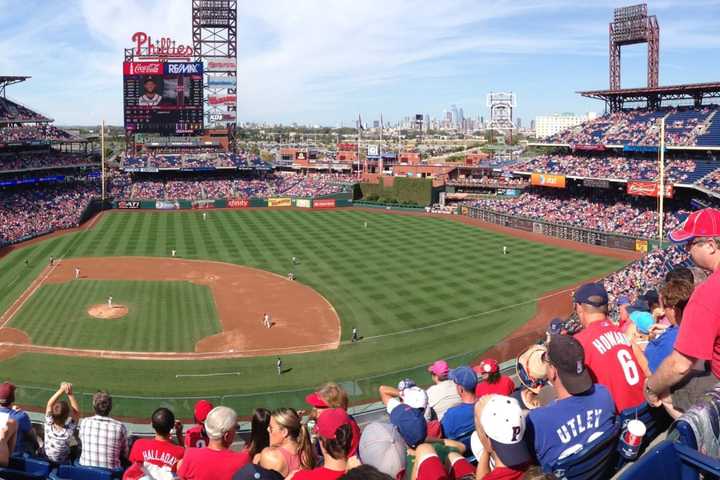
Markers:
360,390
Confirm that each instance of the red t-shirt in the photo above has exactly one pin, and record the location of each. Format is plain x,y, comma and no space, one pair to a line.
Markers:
164,455
195,437
207,464
504,386
612,363
504,473
355,443
320,473
699,335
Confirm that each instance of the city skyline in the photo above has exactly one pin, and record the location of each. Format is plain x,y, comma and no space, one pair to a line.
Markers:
369,58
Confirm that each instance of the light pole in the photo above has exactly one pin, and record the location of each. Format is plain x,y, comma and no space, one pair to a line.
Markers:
661,193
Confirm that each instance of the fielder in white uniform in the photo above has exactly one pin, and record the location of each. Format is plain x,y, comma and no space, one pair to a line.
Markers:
110,302
77,273
504,250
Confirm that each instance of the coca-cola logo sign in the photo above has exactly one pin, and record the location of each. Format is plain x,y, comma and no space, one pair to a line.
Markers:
648,189
143,68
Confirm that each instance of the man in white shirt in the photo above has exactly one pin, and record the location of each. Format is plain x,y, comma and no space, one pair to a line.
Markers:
443,394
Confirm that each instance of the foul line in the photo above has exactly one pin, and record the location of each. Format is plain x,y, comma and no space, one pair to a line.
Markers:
25,296
180,375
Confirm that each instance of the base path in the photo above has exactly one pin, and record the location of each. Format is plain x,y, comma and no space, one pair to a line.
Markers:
302,319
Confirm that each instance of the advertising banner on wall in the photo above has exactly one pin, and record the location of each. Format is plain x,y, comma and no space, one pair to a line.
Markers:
588,148
324,203
216,100
165,205
279,202
595,183
238,203
216,81
547,180
303,203
221,64
128,205
648,189
203,204
373,150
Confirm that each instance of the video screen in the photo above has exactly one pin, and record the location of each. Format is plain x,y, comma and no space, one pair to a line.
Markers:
163,97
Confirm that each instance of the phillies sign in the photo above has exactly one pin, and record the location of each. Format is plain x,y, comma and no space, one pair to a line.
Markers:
164,47
648,189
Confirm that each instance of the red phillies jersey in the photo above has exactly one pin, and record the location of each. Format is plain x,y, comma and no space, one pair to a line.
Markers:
504,386
207,464
355,437
195,437
320,473
146,452
611,361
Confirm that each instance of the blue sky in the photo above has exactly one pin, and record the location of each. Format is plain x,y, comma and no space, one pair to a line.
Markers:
323,61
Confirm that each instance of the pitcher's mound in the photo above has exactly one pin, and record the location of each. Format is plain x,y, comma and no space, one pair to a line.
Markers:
107,313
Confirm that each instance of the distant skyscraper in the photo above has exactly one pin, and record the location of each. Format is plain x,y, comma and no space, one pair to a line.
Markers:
376,123
518,123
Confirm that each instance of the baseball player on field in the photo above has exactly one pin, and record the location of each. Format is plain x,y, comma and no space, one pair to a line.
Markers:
294,260
278,365
110,302
172,253
365,224
77,273
355,336
504,250
267,323
204,216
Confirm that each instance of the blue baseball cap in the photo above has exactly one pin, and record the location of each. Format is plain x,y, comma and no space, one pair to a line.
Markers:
642,320
557,325
623,300
591,294
465,377
410,423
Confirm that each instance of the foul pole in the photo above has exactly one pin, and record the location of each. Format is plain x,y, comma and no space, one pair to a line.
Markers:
102,161
661,193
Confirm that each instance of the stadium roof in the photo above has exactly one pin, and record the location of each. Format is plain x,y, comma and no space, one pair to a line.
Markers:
6,80
655,95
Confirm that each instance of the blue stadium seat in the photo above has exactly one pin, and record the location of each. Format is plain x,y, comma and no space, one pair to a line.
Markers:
686,436
76,472
30,465
671,461
656,421
12,474
596,462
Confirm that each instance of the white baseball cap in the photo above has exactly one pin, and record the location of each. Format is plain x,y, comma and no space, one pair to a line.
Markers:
415,397
503,422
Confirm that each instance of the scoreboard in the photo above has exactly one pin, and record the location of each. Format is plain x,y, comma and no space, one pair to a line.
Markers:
163,97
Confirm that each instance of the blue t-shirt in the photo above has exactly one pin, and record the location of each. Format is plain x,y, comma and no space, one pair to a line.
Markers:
660,347
458,420
23,427
565,426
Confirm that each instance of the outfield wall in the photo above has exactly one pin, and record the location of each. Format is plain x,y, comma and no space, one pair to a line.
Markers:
565,232
327,201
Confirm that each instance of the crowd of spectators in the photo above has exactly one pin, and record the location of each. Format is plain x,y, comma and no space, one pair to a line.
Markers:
28,212
197,158
711,181
212,187
606,212
610,167
13,112
31,133
44,159
640,127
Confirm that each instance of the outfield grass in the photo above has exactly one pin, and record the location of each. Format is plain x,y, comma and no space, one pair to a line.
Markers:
417,289
162,316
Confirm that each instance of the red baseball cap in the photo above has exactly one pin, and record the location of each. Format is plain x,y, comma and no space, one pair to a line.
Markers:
330,420
7,392
316,401
702,223
202,408
489,365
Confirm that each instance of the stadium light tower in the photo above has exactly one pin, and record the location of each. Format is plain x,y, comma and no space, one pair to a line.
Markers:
214,31
632,25
501,105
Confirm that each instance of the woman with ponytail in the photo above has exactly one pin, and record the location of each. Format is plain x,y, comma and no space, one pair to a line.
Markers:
289,434
334,437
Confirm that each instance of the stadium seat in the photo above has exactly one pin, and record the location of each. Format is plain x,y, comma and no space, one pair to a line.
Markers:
656,420
76,472
33,466
669,460
596,462
12,474
685,434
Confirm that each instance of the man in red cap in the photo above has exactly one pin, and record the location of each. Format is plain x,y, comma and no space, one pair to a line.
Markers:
699,335
196,437
332,395
26,440
491,380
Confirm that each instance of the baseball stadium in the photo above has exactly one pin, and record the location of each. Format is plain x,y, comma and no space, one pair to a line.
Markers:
173,269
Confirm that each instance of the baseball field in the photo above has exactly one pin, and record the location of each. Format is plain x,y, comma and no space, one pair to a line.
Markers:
417,288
